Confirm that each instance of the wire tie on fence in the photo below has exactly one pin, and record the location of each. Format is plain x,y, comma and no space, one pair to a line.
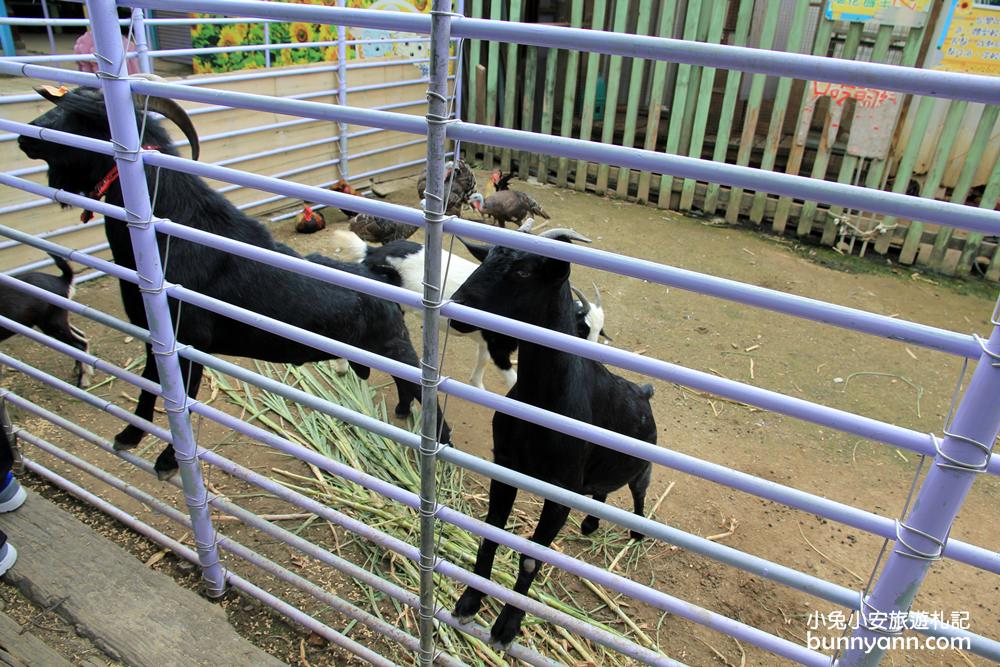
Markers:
988,352
912,551
956,464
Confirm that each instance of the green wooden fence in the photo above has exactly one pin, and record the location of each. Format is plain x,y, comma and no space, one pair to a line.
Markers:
940,149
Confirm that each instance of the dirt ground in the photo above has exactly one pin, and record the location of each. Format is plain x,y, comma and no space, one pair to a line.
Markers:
878,378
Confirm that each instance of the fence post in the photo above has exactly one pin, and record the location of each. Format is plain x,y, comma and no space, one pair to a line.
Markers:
438,115
920,537
132,174
342,166
141,43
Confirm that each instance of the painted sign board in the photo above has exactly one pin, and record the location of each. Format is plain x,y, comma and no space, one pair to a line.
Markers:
970,39
912,13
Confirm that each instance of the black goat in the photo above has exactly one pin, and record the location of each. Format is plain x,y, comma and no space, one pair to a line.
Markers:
52,320
336,312
535,289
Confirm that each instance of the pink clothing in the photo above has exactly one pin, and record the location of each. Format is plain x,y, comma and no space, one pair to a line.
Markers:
85,45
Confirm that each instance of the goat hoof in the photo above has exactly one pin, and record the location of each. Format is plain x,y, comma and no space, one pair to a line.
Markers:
638,537
468,605
506,628
402,411
589,525
125,441
164,475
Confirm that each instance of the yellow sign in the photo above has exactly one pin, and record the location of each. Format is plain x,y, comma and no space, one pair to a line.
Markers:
911,13
971,39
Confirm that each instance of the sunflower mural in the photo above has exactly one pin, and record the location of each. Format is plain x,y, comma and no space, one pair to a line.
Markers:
243,34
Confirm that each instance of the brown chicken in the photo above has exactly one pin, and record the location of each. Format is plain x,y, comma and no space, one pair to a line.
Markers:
309,221
345,187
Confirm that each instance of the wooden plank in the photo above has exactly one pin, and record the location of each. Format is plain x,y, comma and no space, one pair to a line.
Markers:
471,88
665,29
634,93
611,105
137,613
694,83
510,84
990,197
524,158
830,124
821,45
904,171
590,92
952,123
569,92
752,115
849,164
20,648
911,50
678,104
980,140
797,43
492,76
717,11
548,102
729,101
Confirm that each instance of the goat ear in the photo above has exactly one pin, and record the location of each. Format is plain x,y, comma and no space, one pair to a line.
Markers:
478,251
86,101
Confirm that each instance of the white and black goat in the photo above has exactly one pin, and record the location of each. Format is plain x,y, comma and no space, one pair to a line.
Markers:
535,289
31,311
336,312
402,263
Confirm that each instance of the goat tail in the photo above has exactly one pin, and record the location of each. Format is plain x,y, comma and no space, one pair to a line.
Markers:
647,391
64,267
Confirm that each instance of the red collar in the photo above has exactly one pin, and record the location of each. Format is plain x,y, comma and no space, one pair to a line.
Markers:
104,185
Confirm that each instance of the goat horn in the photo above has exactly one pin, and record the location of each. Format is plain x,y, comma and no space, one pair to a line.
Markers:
597,295
564,234
582,298
171,110
526,226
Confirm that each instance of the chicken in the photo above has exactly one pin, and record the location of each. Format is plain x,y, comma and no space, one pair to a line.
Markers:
507,206
501,182
373,229
309,221
344,187
463,186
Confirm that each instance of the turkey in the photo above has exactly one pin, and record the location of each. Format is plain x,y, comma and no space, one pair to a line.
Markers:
462,187
507,206
373,229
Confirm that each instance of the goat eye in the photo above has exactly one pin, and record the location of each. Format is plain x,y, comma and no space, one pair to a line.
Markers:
523,273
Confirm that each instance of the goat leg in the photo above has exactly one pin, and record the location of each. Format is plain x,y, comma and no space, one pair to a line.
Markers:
132,435
166,463
590,524
501,503
508,623
59,328
638,487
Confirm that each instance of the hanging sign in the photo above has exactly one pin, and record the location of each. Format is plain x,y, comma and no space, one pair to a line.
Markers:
912,13
970,40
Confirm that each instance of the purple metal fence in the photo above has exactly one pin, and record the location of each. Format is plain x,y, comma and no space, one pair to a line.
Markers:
913,542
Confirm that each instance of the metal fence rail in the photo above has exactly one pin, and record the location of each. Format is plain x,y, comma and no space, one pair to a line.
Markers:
919,538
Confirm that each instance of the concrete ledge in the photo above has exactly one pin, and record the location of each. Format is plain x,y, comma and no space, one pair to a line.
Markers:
132,613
